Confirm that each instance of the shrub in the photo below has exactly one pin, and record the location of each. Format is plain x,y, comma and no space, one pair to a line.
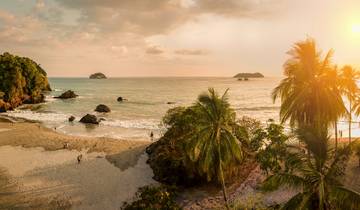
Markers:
153,197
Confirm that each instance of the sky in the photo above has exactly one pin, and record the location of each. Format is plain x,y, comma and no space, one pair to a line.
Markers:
134,38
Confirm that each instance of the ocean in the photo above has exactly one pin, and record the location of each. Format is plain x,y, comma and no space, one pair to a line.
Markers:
147,102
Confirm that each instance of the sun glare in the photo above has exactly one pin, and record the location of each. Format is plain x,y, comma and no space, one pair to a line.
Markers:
355,28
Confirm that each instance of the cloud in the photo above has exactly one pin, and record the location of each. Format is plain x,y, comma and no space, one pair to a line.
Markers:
154,50
191,52
156,16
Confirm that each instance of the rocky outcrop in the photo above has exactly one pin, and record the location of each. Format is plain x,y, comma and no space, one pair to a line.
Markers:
102,108
67,94
98,75
22,80
90,119
71,119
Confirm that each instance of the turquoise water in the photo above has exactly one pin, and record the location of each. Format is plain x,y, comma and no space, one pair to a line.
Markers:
146,103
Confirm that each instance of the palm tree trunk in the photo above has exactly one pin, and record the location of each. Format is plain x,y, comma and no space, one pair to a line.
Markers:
221,173
223,185
350,122
336,137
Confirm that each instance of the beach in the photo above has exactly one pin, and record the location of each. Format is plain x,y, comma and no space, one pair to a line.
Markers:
40,170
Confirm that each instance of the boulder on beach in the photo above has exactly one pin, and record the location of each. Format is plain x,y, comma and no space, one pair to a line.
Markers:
89,118
98,75
120,99
67,94
71,118
102,108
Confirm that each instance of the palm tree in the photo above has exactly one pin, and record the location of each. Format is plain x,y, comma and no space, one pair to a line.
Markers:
335,78
308,94
316,175
348,79
214,146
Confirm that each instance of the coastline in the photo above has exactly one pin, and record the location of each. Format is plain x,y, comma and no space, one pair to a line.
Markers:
41,167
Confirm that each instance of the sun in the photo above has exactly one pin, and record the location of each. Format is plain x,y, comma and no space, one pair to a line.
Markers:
355,28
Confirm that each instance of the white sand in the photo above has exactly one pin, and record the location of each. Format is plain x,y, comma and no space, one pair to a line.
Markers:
93,184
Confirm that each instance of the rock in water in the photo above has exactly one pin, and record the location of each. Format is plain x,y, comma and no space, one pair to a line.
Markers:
67,94
98,75
21,80
71,118
102,108
89,118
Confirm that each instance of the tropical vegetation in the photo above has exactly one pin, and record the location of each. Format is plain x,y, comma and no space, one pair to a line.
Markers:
315,174
22,80
309,93
206,142
153,198
349,77
201,144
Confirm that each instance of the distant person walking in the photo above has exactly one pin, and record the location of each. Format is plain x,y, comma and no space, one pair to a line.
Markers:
152,136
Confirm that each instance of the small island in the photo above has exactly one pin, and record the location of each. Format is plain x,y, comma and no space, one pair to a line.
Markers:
249,75
98,75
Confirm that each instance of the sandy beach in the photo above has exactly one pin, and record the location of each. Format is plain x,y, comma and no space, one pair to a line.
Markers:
37,172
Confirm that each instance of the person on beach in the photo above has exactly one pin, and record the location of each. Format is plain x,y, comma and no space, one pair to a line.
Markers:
152,136
79,157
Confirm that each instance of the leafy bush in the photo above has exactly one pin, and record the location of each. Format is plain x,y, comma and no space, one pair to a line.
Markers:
272,147
21,81
357,149
151,197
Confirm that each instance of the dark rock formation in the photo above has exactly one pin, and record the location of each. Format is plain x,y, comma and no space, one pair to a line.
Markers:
120,99
71,118
67,94
98,75
102,108
170,102
89,118
249,75
22,80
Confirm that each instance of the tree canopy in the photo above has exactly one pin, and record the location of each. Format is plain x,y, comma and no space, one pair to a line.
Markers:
22,80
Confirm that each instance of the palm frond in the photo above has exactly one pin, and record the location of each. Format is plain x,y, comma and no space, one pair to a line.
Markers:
273,182
344,198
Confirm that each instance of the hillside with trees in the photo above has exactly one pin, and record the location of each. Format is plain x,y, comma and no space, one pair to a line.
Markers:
22,80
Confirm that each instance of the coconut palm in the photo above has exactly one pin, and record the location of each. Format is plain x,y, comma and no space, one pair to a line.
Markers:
315,175
348,79
213,146
308,94
335,78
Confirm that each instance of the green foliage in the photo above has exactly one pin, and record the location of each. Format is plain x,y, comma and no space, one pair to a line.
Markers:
316,174
356,148
272,147
187,153
21,79
153,198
